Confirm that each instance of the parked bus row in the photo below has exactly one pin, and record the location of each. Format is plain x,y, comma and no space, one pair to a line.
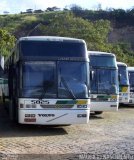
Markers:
56,81
112,82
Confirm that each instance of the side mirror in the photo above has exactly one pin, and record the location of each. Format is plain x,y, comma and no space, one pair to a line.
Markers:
91,75
119,77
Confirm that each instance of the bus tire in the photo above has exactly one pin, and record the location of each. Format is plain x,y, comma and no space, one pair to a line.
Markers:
13,111
3,98
98,112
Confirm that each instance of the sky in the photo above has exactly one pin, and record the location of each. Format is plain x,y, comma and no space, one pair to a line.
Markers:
16,6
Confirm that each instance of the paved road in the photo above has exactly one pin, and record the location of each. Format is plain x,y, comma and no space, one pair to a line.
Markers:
107,136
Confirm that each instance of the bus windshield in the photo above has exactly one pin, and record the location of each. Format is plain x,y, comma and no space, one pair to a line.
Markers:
131,81
104,81
74,75
122,70
51,79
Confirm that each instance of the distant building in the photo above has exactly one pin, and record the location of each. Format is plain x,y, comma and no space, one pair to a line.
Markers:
29,11
38,11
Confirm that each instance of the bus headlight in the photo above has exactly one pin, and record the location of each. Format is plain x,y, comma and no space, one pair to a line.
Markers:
112,99
81,106
125,94
21,105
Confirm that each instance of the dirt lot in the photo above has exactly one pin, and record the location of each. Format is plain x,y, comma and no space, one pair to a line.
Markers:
107,136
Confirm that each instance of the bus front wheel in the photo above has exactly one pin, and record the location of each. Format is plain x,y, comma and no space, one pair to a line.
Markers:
13,111
98,112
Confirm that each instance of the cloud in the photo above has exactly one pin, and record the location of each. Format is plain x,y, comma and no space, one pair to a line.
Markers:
4,6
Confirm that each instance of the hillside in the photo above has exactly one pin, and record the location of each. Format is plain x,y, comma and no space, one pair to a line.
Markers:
122,22
124,34
100,34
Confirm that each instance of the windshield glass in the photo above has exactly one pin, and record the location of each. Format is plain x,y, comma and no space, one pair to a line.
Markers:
102,61
123,76
104,81
39,79
55,80
131,79
73,80
53,48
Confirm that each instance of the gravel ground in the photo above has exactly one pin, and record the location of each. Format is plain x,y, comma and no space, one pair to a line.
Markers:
107,136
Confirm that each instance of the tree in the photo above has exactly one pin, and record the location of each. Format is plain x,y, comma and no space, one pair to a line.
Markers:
29,11
51,9
7,42
38,11
75,7
99,7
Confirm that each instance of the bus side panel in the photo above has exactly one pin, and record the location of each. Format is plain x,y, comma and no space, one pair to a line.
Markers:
124,94
104,106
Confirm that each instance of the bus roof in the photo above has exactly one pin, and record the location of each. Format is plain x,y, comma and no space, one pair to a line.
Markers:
121,64
99,53
130,69
50,38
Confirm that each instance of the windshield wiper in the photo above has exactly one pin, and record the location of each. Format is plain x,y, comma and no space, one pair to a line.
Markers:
108,92
46,85
67,87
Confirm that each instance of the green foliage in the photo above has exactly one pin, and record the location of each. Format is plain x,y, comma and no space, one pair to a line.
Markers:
7,42
118,17
123,53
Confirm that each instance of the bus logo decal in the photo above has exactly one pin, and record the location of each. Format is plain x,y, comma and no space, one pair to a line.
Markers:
46,115
39,102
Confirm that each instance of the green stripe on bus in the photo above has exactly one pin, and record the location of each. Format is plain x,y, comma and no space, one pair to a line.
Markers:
66,102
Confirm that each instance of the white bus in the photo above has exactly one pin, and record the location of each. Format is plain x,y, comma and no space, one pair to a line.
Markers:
131,81
48,81
123,83
104,82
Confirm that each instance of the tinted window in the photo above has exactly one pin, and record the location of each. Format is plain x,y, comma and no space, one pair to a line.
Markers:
39,79
123,75
131,78
104,81
102,61
73,80
53,49
55,79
